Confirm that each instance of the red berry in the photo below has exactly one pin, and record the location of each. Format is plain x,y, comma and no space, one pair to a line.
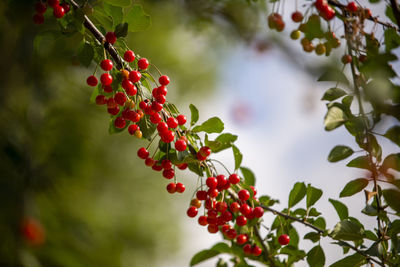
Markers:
134,116
171,187
129,87
168,136
213,192
113,111
241,239
111,103
346,59
155,118
241,220
192,212
200,157
256,251
58,11
205,151
180,188
209,204
169,174
53,3
181,119
231,233
212,214
225,228
247,249
182,166
38,19
203,220
162,90
111,37
161,99
221,206
172,122
297,16
162,127
283,239
143,153
245,209
352,7
106,79
66,7
180,145
107,88
212,228
40,7
367,13
120,98
201,195
157,107
129,56
319,4
254,190
166,164
212,182
149,162
157,167
101,100
234,178
234,207
164,80
135,76
258,212
106,64
92,80
33,232
142,105
221,180
143,63
243,195
226,216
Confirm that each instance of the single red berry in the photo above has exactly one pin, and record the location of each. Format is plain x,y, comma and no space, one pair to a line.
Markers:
201,195
346,59
225,228
203,220
164,80
212,214
247,249
182,166
148,110
283,239
297,16
149,162
180,188
157,107
113,111
171,187
254,190
38,19
106,64
169,174
180,145
367,13
129,56
231,233
212,228
212,182
352,7
172,122
135,76
200,157
319,4
66,7
241,239
92,80
111,103
106,79
157,167
161,99
192,212
53,3
241,220
205,151
101,100
143,63
33,232
213,192
243,195
245,209
155,92
181,119
256,251
221,206
143,153
166,164
155,118
111,37
120,98
58,11
221,181
168,136
162,90
212,220
162,127
40,7
129,87
107,88
234,178
142,105
258,212
234,207
134,117
226,216
209,204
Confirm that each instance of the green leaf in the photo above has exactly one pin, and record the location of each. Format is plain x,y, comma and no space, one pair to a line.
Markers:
333,94
313,236
194,114
392,161
121,30
115,12
222,142
340,208
212,125
340,152
222,248
316,257
248,176
361,162
354,260
105,20
393,134
313,28
392,39
347,230
85,54
113,130
203,255
353,187
238,156
195,168
388,12
313,195
137,19
297,194
147,127
334,75
334,118
392,198
121,3
95,93
320,222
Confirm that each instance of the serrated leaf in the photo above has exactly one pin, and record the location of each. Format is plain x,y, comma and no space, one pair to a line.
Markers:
137,19
393,134
194,114
354,260
353,187
313,195
248,176
334,118
316,257
297,193
361,162
333,75
333,94
121,30
212,125
313,236
347,230
121,3
203,255
237,156
392,198
341,209
339,153
85,54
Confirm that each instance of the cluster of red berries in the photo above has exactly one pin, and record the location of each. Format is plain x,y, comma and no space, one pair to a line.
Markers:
324,9
275,22
59,10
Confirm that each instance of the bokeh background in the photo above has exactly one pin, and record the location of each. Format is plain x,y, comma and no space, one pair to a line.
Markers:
96,201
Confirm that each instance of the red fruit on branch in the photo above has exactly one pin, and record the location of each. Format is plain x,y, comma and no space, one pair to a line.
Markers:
234,207
101,100
66,7
172,122
161,99
92,80
297,16
157,107
169,174
245,209
231,234
162,127
192,212
143,153
106,64
155,118
182,166
53,3
284,239
111,37
157,166
213,192
129,56
167,136
346,59
242,239
58,11
234,178
180,145
212,228
113,111
203,220
164,80
247,249
106,79
201,195
162,90
181,119
180,188
40,7
107,88
171,187
256,251
241,220
205,151
166,164
149,162
258,212
120,98
352,7
221,206
211,182
143,63
243,195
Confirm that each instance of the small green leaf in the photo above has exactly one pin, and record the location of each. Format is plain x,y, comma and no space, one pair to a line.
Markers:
316,257
313,236
340,152
222,248
313,195
248,176
121,30
222,142
392,161
85,54
147,127
194,114
347,230
354,187
340,208
334,75
115,12
121,3
392,198
95,93
212,125
392,39
393,134
297,194
195,168
334,118
203,255
361,162
137,19
320,222
354,260
238,156
333,94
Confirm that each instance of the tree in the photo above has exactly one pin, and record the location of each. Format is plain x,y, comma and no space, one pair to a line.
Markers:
231,203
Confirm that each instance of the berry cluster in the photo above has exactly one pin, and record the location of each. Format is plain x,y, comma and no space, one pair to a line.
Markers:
59,10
